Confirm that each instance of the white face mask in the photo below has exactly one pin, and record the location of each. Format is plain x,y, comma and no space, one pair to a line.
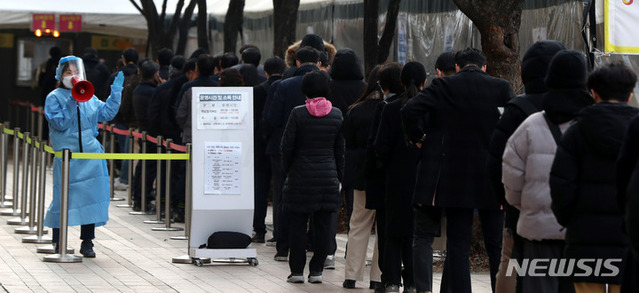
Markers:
66,81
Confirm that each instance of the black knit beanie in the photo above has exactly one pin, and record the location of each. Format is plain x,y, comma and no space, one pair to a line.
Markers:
314,41
567,70
535,63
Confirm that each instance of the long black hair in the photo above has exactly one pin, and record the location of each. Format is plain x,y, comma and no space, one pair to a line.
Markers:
413,77
372,88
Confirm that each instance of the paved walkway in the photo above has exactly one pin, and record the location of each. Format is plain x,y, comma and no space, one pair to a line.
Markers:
133,258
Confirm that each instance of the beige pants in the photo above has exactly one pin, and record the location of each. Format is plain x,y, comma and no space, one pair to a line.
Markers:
361,224
506,284
587,287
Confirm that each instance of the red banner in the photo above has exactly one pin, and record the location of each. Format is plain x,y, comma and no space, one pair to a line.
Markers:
43,22
70,22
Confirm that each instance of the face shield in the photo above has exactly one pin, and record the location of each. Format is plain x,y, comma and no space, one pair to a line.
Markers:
70,67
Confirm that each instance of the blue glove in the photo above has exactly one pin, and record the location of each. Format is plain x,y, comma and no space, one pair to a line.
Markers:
119,79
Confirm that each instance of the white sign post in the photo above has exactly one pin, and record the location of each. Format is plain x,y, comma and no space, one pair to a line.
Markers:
222,134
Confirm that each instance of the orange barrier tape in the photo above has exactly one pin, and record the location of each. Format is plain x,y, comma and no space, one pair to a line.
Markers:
19,103
121,131
177,147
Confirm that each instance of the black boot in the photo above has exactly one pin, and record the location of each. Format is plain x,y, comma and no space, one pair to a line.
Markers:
56,249
86,249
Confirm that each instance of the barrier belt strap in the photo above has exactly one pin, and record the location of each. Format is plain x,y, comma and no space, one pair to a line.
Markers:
111,156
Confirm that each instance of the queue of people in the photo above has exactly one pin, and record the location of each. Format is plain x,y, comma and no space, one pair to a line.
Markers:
550,173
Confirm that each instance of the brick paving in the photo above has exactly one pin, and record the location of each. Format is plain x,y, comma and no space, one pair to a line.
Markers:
133,258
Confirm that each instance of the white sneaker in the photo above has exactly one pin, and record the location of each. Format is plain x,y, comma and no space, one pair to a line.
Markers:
329,262
295,278
118,185
315,278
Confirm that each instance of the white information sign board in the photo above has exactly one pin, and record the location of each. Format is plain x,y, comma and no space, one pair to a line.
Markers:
221,111
222,163
222,167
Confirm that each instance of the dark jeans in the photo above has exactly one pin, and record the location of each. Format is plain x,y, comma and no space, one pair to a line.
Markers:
459,233
548,249
348,197
87,232
277,176
427,227
297,240
262,183
398,251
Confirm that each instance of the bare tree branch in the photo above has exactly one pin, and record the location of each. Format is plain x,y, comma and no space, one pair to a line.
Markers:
137,7
389,31
163,13
176,18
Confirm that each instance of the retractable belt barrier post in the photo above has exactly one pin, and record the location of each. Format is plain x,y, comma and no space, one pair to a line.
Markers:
31,229
34,218
158,187
62,256
22,219
111,164
4,201
41,196
142,181
40,122
129,190
167,198
32,120
187,207
186,259
104,136
14,211
15,109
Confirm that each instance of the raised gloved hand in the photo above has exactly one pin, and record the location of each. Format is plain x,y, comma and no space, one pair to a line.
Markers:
119,79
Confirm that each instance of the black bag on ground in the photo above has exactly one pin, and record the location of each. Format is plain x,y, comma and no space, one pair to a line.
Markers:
225,239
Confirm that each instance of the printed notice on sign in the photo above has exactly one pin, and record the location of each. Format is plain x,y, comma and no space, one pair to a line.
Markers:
221,111
223,161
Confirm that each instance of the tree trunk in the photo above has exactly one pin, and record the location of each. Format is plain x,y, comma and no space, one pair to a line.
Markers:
160,36
233,24
185,24
376,52
284,23
202,25
389,31
371,17
498,23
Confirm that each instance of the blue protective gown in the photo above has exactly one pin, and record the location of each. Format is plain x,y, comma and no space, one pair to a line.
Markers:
89,195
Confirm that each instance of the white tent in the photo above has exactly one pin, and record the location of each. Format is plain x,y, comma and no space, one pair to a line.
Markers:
109,17
261,8
119,17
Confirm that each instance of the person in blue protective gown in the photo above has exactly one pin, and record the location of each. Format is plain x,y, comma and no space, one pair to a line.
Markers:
73,126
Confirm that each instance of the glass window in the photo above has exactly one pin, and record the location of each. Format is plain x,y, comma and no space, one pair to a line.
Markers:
33,54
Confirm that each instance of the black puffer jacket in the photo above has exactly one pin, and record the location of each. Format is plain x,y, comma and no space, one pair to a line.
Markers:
142,95
313,159
583,186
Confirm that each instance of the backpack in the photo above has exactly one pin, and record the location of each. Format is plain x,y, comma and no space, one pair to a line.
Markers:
227,240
